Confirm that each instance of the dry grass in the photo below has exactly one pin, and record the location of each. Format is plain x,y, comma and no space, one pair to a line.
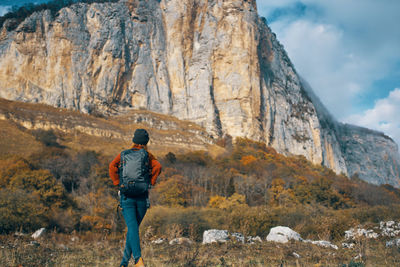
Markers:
109,135
13,140
106,250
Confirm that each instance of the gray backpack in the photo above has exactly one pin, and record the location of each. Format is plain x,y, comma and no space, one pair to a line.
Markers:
134,178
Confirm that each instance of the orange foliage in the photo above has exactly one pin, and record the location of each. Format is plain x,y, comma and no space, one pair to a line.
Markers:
216,201
100,211
247,160
10,167
175,191
230,203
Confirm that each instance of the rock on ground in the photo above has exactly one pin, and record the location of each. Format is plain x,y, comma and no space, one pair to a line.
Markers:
296,255
394,242
348,245
283,234
389,228
215,236
158,241
238,236
322,243
38,233
253,239
180,241
360,232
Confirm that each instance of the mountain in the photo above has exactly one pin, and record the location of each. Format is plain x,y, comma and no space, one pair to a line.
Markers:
213,63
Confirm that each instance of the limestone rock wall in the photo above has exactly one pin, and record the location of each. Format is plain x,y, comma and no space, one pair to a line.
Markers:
212,62
373,156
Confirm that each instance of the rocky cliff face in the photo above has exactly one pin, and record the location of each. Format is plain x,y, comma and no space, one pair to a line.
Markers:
215,63
371,155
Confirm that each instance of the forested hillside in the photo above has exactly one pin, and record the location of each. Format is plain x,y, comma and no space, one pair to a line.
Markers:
250,185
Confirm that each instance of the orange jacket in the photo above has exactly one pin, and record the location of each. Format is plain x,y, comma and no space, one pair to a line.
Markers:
154,164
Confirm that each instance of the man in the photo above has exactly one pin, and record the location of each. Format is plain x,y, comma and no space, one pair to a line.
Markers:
134,174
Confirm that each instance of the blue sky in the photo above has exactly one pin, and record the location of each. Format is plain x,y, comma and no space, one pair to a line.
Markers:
348,50
5,5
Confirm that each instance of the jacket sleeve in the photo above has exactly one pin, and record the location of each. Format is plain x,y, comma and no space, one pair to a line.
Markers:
155,169
113,169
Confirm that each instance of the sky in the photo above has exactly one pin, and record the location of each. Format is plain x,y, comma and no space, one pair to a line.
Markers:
5,5
348,51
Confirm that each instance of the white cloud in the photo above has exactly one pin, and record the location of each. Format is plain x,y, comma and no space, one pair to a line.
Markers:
340,47
4,10
384,116
320,55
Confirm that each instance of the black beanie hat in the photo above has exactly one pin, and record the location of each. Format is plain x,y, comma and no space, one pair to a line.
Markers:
141,137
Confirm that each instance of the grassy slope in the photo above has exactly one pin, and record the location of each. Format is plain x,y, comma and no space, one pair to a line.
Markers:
14,140
110,135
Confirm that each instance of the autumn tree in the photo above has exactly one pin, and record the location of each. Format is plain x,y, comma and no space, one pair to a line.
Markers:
174,191
279,195
230,203
21,210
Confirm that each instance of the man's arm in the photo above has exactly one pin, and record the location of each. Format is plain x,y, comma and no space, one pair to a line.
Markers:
113,169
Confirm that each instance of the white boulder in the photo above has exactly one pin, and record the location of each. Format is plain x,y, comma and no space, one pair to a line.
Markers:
390,228
38,233
394,242
390,223
360,232
254,239
180,241
348,245
34,243
74,239
215,236
296,255
322,243
158,241
283,234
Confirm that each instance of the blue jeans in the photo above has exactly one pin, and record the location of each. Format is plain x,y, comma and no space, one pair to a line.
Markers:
133,210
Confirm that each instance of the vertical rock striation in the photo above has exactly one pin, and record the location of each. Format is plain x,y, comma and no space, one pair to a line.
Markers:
212,62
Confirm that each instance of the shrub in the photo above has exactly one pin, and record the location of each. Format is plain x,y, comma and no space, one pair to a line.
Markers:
21,210
64,220
197,157
250,221
10,167
48,138
216,201
99,210
233,202
376,214
170,157
42,184
165,222
175,191
71,170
